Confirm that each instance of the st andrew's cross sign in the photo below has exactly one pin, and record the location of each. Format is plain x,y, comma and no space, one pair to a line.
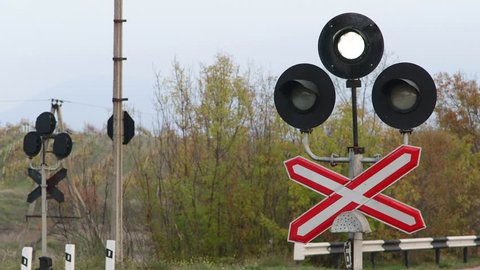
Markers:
362,193
52,182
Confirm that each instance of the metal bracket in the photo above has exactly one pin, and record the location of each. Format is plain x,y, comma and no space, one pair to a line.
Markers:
357,149
334,159
119,99
354,83
48,168
306,131
405,133
333,156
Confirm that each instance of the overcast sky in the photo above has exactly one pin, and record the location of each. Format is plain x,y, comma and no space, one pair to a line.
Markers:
63,48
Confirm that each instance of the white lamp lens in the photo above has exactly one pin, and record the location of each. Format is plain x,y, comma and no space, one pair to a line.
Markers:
351,45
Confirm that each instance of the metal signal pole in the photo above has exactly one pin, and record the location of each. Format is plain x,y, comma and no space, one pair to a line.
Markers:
355,168
44,186
44,200
116,223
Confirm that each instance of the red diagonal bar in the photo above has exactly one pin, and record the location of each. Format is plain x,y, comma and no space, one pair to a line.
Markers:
371,209
316,171
293,233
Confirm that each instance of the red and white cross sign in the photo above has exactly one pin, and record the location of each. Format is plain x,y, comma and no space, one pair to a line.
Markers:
362,193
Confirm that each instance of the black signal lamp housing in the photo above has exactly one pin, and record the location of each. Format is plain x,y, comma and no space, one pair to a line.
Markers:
404,96
45,123
350,45
32,144
304,96
62,145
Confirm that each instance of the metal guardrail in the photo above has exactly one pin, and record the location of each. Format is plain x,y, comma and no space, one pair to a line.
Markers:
373,246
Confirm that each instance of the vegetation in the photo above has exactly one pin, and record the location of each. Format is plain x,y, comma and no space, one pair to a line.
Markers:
209,182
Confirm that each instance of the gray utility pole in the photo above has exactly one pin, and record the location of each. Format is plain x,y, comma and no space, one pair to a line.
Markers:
116,223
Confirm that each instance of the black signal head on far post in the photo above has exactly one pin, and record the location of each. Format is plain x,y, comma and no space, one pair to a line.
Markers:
304,96
32,144
62,145
350,45
404,96
45,123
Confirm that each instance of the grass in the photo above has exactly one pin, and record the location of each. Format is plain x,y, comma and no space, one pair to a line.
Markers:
13,207
267,263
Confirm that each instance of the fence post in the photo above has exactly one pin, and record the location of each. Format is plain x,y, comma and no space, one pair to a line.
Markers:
437,256
110,255
407,258
337,261
26,263
69,257
372,259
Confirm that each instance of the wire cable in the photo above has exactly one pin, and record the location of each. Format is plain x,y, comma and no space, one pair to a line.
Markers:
61,101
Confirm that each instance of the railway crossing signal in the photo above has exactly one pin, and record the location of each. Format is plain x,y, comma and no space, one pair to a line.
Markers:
351,46
362,193
35,142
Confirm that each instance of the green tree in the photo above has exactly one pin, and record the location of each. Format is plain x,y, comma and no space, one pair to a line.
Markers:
458,107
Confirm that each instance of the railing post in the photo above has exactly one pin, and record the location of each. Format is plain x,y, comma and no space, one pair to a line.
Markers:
372,259
437,256
465,254
337,261
407,258
299,252
26,263
69,257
